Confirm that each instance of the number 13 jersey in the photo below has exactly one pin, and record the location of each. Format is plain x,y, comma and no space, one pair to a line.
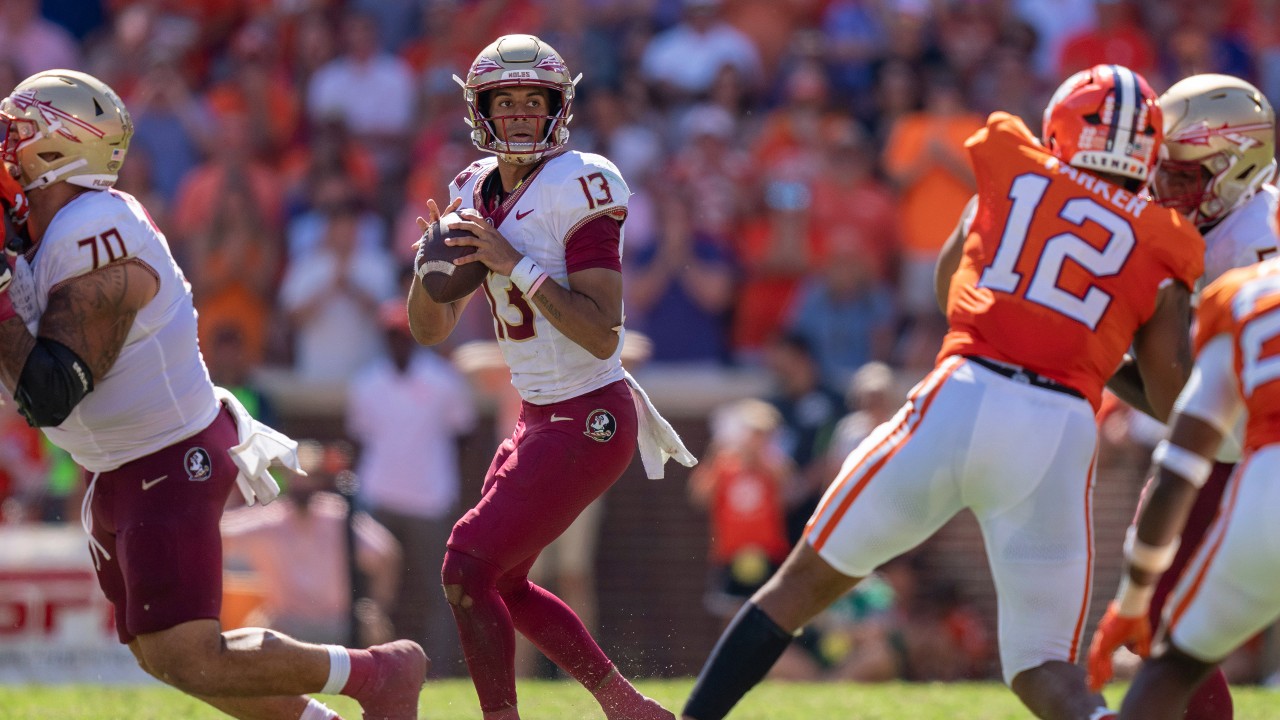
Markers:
566,216
1059,268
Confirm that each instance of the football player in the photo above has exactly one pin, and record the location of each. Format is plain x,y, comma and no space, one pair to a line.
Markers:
98,347
547,222
1057,266
1217,162
1233,588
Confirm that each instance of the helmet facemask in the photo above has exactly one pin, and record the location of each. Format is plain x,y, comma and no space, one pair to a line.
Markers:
518,61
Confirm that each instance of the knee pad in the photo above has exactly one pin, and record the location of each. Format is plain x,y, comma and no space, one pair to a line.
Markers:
473,575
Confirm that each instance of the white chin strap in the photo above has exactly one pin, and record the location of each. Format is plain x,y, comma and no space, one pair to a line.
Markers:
52,176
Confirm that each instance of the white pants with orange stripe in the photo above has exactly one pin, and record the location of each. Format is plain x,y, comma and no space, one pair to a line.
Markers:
1020,457
1231,588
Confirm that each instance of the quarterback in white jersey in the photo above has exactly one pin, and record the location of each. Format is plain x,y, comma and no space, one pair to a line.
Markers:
1218,158
547,223
539,219
98,346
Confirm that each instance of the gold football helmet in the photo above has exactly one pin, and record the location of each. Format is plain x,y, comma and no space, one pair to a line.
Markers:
63,125
1219,146
518,61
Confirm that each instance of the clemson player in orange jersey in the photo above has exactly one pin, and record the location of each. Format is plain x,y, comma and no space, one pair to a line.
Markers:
1058,266
1232,588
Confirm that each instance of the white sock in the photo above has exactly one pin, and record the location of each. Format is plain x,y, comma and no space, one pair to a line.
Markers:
339,670
316,710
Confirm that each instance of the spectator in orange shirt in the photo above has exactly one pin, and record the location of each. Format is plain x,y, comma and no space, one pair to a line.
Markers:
925,160
238,257
741,483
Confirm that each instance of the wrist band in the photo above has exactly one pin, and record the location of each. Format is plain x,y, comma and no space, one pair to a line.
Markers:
533,289
1133,600
1151,558
526,275
1182,462
6,307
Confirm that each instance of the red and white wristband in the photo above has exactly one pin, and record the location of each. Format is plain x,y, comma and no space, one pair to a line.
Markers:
527,276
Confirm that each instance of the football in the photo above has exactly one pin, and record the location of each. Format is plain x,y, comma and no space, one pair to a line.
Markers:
444,281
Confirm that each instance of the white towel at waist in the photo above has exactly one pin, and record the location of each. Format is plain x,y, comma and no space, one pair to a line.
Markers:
658,441
260,448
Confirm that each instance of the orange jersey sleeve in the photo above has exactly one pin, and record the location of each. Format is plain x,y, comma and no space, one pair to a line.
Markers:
1244,303
1060,268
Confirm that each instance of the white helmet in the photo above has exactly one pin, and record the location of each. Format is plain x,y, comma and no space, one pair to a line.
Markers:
519,61
63,125
1219,139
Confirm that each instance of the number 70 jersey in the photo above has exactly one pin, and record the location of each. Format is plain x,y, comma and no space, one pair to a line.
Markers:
1060,268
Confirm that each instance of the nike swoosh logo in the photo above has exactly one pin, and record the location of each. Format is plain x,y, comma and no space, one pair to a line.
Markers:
557,418
521,216
146,484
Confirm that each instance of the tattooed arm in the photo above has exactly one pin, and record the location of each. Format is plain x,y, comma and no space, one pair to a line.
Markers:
90,314
588,311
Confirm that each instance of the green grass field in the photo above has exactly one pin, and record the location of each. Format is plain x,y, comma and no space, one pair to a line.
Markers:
546,700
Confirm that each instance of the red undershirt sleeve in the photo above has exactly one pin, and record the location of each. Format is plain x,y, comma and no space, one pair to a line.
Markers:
594,244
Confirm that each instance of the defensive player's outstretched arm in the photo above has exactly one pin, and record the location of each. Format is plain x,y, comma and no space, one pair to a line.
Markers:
90,316
1162,349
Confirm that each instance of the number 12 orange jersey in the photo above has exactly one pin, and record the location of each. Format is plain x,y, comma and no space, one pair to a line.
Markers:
1060,267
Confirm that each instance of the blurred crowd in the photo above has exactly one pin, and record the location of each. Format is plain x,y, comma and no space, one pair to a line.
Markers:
796,166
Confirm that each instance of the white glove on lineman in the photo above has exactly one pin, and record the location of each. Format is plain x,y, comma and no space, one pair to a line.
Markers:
261,447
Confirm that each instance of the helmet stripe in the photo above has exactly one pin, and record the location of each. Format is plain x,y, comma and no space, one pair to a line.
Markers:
1124,115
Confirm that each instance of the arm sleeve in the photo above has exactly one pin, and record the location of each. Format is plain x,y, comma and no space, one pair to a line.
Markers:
1211,393
595,243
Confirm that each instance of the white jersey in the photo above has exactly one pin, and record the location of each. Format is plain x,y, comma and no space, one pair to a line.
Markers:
1245,236
538,219
158,391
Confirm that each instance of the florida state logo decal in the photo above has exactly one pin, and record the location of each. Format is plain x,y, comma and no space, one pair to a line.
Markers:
601,426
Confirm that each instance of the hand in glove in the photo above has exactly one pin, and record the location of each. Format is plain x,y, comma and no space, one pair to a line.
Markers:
1113,631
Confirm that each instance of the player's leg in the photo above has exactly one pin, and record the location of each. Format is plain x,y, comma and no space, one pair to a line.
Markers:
892,493
1163,686
1231,587
256,708
161,516
1031,492
536,487
1212,700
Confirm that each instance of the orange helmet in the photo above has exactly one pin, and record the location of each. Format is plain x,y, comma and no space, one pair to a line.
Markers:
1105,119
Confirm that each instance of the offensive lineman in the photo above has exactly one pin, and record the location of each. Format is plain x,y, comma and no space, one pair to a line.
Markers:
98,346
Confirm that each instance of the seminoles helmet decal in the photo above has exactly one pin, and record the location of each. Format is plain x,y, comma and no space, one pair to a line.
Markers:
518,61
1105,119
63,125
1221,131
